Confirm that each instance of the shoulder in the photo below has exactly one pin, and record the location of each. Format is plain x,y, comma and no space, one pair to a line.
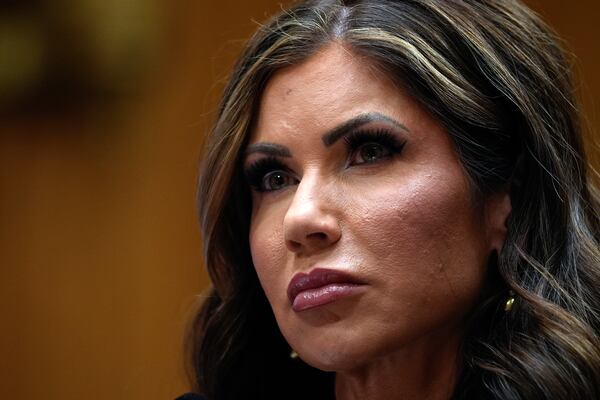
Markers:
191,396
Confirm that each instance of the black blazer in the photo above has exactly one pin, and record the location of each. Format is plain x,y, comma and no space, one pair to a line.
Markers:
191,396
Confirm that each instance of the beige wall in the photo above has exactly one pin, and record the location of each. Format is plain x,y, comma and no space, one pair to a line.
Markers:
100,254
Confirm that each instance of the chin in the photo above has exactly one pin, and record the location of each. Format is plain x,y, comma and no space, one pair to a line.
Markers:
331,349
330,358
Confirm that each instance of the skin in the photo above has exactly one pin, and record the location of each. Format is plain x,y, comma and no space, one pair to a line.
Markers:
407,225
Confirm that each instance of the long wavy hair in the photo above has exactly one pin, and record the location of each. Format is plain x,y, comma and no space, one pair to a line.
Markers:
496,77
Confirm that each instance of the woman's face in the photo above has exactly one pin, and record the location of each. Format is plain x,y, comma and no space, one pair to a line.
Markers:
365,235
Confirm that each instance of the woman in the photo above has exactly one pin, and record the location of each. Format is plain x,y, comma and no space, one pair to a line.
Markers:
395,204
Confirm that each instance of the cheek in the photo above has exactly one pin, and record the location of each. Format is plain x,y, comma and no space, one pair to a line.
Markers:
424,241
268,249
416,214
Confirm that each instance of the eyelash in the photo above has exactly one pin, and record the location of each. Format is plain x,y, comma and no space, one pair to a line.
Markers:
257,171
355,140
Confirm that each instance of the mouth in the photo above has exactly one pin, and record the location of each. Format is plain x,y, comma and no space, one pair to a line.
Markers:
319,287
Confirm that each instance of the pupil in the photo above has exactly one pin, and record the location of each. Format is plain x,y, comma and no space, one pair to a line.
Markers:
277,180
371,152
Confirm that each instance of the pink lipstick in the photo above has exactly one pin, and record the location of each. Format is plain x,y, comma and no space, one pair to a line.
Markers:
319,287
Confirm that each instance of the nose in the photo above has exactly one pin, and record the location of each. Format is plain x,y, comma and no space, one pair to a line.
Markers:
310,223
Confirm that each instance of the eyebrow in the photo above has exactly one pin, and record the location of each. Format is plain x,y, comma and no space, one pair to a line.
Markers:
330,137
273,149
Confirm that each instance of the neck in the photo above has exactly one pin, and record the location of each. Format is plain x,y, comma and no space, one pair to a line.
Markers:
419,373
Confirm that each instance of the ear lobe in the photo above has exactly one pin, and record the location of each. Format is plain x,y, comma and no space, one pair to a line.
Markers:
497,209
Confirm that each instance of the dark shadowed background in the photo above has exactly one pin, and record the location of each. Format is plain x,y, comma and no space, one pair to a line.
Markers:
103,106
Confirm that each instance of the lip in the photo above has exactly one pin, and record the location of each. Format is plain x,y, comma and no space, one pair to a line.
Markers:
319,287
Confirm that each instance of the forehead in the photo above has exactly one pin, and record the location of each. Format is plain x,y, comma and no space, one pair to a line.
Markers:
331,86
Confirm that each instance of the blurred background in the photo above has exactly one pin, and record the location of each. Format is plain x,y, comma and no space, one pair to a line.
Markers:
103,108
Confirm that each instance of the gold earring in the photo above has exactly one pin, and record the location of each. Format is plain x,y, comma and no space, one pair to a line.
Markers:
510,301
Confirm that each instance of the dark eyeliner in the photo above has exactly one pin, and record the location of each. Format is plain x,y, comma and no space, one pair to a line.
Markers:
256,171
383,137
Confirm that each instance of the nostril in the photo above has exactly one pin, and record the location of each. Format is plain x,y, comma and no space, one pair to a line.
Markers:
312,239
317,235
310,229
293,245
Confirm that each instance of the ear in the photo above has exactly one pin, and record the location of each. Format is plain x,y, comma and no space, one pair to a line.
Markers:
497,210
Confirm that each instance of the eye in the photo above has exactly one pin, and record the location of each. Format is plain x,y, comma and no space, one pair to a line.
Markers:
368,147
369,153
276,180
268,175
